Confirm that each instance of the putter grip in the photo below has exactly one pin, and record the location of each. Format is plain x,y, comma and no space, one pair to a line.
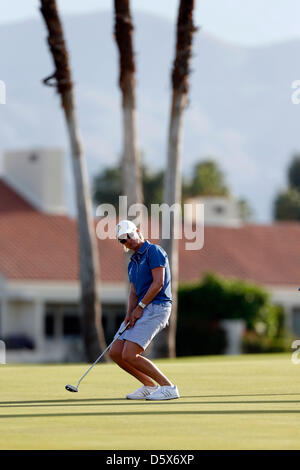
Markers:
125,328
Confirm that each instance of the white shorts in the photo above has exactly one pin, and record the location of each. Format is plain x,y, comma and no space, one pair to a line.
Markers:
155,317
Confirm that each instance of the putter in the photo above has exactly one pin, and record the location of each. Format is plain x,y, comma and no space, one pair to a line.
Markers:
72,388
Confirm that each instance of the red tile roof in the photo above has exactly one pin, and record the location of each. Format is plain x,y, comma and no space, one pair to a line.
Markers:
38,246
267,254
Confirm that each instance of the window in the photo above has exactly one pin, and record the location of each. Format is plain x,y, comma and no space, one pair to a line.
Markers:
49,325
112,317
62,320
220,209
71,325
296,320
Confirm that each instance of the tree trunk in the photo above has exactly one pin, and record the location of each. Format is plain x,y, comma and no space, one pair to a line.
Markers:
131,172
164,345
130,163
90,307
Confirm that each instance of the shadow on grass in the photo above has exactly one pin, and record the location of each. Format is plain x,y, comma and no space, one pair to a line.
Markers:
123,401
150,413
245,395
68,400
64,401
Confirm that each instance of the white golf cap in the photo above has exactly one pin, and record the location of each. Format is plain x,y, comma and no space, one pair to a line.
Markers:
124,227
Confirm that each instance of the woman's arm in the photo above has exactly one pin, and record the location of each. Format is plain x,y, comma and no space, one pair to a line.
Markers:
135,311
132,302
158,275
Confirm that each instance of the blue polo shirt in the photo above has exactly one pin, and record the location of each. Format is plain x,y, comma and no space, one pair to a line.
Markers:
148,257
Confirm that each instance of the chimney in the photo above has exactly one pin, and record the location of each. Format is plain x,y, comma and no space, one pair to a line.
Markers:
37,175
218,211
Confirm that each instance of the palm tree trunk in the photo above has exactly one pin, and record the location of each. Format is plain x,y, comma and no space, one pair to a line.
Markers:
130,163
165,344
90,306
131,172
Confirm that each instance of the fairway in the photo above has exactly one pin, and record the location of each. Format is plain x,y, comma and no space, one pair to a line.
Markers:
228,402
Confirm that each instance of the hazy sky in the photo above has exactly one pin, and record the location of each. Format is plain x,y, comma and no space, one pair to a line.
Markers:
246,22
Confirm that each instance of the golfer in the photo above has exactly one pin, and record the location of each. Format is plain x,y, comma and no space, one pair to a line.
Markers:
149,309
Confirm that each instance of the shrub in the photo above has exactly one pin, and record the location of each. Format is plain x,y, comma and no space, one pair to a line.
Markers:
202,305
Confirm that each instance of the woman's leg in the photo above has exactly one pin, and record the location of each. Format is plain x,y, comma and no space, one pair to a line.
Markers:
116,353
131,354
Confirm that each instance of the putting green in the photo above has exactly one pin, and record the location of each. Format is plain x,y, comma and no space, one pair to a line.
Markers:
228,402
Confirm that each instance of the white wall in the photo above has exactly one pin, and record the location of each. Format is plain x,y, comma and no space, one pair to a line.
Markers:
289,297
37,175
20,318
24,310
218,211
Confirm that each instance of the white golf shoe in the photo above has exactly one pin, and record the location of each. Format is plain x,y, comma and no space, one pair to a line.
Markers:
141,393
165,392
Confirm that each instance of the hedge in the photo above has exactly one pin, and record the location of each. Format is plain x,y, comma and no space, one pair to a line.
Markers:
202,305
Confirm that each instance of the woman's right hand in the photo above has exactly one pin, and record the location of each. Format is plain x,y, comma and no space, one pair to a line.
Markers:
127,320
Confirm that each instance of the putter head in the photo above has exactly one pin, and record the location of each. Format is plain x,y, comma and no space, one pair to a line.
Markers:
71,388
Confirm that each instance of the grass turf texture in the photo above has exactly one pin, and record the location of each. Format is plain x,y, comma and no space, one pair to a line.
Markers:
228,402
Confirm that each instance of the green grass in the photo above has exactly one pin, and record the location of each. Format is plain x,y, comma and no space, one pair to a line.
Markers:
228,402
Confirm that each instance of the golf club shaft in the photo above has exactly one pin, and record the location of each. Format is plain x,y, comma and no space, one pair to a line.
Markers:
98,358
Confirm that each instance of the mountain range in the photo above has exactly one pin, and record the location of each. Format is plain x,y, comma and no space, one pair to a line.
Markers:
240,110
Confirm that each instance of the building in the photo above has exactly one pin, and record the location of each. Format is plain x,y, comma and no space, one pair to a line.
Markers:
219,211
39,272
